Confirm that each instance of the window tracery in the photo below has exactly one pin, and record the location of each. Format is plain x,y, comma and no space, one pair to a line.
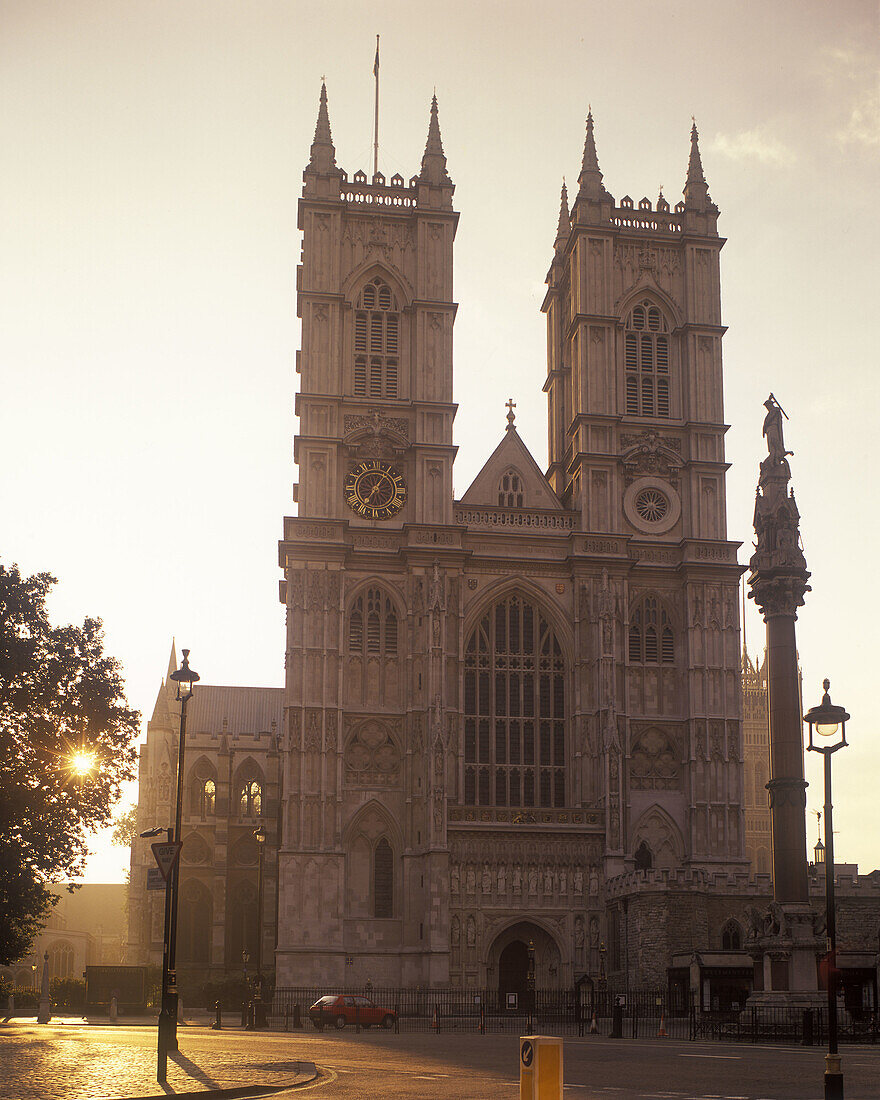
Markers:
510,490
251,799
515,709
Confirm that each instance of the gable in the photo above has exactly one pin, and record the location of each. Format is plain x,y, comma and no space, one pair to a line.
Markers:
513,457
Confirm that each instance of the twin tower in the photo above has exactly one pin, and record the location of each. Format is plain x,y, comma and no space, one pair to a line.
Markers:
515,717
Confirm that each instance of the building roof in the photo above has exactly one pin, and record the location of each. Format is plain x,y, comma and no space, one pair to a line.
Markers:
243,709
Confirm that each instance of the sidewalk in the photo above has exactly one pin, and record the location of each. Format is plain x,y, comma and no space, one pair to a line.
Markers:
69,1059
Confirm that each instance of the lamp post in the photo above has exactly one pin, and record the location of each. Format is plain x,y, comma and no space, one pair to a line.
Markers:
163,1045
825,720
186,680
259,1020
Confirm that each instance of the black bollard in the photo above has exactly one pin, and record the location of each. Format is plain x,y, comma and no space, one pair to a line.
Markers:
297,1020
244,1013
218,1021
616,1022
807,1024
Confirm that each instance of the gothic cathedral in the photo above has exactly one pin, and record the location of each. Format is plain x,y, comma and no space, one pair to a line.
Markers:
514,717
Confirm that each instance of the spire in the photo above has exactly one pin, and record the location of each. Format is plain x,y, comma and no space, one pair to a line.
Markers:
696,192
323,156
434,161
172,661
590,179
564,227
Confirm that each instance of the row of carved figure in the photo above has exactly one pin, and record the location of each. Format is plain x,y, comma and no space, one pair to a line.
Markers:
531,879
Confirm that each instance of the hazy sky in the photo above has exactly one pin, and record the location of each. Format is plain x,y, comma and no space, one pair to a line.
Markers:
153,154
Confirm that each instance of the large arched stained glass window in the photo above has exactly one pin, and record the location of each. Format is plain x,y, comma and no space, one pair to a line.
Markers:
514,694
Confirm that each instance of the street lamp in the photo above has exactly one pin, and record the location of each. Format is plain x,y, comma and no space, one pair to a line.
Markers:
186,680
259,1019
163,1026
825,720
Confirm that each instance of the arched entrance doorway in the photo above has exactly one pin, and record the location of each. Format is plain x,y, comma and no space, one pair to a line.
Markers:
507,963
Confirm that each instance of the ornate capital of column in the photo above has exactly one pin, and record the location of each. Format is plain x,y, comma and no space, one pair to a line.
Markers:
778,592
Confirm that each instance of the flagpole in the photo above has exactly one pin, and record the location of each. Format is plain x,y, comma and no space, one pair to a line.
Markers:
376,113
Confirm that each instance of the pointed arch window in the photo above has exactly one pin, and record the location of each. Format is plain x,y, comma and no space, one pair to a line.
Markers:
515,709
731,936
372,625
510,490
647,361
251,799
203,790
376,342
61,959
651,640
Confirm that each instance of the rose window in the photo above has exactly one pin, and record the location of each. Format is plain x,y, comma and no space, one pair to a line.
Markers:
651,505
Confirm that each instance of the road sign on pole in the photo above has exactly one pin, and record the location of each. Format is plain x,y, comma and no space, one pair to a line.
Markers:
155,881
166,856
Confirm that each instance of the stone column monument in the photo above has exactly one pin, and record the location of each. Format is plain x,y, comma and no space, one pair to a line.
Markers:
782,940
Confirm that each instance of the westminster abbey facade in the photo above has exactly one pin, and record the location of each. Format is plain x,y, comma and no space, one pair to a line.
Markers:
515,717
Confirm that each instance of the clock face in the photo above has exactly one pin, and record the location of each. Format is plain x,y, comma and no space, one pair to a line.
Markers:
375,490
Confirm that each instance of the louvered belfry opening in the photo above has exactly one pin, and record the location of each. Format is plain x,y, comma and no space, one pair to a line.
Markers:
383,880
376,342
651,639
515,709
646,359
372,625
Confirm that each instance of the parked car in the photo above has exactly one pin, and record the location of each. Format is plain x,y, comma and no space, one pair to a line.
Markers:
348,1008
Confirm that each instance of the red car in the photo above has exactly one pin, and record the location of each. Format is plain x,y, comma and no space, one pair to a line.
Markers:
348,1008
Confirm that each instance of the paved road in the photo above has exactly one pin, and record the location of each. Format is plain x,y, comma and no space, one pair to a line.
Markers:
75,1063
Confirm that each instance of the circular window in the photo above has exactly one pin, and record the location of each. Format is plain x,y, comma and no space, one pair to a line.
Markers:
651,505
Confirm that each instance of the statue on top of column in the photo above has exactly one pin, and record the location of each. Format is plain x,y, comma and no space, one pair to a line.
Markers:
779,574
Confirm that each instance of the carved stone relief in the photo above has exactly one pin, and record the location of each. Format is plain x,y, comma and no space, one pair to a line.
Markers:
371,758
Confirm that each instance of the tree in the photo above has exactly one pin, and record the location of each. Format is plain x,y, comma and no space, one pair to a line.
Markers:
67,743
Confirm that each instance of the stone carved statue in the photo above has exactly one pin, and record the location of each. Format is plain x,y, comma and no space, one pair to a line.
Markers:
533,880
454,882
775,923
486,883
517,879
471,932
579,933
594,882
579,881
772,430
455,932
502,879
471,879
755,921
594,931
548,881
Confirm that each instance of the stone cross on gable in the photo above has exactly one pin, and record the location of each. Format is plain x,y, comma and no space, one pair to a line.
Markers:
511,415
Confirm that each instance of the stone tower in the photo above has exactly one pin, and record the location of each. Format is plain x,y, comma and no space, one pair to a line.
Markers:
636,434
361,877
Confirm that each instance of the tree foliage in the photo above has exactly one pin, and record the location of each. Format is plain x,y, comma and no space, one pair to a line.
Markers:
125,828
59,695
